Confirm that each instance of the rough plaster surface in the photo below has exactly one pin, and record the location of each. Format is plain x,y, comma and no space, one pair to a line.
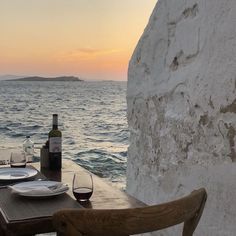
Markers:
181,109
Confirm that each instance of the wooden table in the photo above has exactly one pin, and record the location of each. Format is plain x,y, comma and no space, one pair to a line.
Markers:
104,196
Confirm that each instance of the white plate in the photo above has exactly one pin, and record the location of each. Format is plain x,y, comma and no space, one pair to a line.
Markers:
39,188
17,173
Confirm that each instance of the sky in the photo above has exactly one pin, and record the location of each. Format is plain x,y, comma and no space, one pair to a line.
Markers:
92,39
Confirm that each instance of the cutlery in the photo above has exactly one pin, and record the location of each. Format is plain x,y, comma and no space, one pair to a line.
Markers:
5,186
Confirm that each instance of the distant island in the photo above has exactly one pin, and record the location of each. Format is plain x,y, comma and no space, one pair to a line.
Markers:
39,78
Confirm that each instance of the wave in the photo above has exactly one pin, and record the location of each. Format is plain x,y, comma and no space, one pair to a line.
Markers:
4,129
102,163
92,117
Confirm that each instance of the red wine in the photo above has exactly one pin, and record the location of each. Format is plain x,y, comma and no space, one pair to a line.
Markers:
82,194
54,137
18,165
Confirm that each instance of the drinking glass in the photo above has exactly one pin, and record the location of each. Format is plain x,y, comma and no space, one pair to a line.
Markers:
82,186
18,159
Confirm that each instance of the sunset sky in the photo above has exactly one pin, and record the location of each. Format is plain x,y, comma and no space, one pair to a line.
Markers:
92,39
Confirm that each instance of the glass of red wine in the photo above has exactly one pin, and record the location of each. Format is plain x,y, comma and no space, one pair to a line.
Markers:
18,159
82,186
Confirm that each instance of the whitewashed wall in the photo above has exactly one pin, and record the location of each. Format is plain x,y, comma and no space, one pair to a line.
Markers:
182,109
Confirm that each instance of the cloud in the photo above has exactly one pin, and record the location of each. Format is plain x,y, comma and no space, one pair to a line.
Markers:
86,53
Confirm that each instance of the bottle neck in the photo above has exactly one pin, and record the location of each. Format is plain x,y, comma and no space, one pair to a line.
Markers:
55,122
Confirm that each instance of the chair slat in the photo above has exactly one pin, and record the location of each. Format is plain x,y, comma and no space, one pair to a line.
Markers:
123,222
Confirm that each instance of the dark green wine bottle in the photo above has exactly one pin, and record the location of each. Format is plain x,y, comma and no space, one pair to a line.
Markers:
55,145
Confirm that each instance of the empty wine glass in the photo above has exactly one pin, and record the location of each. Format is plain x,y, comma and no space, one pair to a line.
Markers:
18,159
82,186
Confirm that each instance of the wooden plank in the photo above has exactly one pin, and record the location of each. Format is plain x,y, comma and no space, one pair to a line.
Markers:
105,196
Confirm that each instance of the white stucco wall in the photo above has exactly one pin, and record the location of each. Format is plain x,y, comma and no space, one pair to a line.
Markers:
182,109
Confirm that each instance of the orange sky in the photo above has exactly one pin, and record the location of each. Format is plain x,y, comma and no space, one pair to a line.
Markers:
93,39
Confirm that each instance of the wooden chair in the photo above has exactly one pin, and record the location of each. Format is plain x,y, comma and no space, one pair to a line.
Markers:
123,222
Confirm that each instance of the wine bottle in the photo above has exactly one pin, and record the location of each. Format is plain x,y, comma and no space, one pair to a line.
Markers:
55,145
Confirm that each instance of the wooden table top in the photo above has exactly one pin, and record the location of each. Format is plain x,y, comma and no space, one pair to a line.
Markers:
105,196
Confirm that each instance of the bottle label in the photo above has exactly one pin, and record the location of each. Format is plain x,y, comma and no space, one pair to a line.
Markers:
29,150
55,144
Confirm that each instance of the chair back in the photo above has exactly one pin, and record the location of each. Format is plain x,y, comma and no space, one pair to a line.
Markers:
124,222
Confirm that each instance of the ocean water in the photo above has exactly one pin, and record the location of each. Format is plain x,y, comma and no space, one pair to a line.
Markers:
92,118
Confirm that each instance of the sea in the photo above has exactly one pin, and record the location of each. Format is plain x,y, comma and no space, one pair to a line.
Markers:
92,118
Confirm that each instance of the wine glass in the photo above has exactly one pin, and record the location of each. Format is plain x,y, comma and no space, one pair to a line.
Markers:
18,160
82,186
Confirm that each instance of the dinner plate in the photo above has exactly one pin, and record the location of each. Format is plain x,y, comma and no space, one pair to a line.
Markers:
39,189
13,174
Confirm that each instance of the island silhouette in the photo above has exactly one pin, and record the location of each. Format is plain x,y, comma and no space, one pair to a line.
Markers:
39,78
